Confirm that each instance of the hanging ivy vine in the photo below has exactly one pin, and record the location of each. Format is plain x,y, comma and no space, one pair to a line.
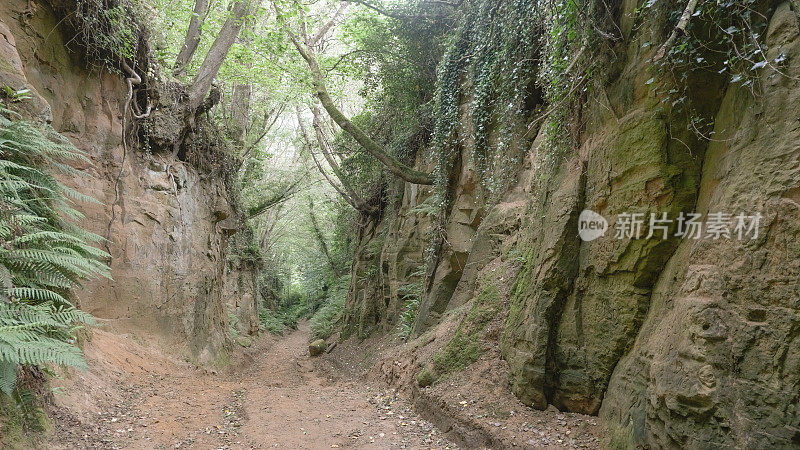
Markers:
720,40
495,55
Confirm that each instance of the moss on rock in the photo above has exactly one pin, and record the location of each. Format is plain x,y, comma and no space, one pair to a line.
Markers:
465,347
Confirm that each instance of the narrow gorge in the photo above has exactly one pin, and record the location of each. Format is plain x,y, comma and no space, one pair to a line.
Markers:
401,224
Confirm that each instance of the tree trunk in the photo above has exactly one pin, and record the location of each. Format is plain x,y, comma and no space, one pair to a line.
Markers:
347,192
240,112
392,164
321,239
216,55
192,39
323,146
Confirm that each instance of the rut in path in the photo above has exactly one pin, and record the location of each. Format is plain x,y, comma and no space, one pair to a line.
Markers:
282,399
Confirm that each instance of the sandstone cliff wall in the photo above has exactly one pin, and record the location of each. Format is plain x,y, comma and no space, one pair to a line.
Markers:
682,342
169,222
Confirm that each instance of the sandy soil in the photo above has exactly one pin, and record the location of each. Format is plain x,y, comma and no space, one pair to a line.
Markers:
273,396
473,408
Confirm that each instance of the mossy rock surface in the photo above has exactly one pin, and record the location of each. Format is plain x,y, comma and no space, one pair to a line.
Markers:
465,347
317,347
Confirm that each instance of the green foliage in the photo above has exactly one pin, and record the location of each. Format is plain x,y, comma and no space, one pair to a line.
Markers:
495,49
16,96
397,60
233,325
108,31
566,47
270,321
244,250
375,246
324,322
276,322
411,293
723,41
43,255
21,414
408,316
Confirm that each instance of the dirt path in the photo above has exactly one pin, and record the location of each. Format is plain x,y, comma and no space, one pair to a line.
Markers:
135,397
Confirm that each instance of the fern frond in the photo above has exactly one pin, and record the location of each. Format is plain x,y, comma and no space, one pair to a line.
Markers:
43,254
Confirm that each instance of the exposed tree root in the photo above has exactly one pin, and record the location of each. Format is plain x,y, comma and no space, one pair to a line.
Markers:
133,80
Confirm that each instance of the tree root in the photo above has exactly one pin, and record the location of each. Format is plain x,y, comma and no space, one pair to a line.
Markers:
133,80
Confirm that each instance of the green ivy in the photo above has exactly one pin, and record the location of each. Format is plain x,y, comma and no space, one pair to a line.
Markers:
723,40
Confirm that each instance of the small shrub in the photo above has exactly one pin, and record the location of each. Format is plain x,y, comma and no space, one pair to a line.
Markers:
270,321
412,293
277,321
407,317
293,314
325,321
425,377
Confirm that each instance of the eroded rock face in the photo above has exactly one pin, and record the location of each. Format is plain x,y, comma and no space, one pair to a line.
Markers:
166,238
683,342
242,296
715,363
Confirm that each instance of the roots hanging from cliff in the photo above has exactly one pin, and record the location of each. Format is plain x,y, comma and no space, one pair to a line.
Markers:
105,32
133,80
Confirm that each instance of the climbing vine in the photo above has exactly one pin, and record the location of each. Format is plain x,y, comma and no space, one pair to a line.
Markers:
722,40
496,52
517,65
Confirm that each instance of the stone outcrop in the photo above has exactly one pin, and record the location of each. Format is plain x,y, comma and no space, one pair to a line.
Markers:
680,342
167,240
715,362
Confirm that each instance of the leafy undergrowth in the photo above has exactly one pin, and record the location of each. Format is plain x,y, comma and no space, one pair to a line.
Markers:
465,347
325,321
44,256
22,419
277,321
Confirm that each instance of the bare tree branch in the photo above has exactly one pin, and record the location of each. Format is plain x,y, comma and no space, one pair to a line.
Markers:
680,28
325,148
264,130
319,35
287,193
348,194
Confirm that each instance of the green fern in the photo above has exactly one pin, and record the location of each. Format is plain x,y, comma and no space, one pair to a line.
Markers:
43,253
411,292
